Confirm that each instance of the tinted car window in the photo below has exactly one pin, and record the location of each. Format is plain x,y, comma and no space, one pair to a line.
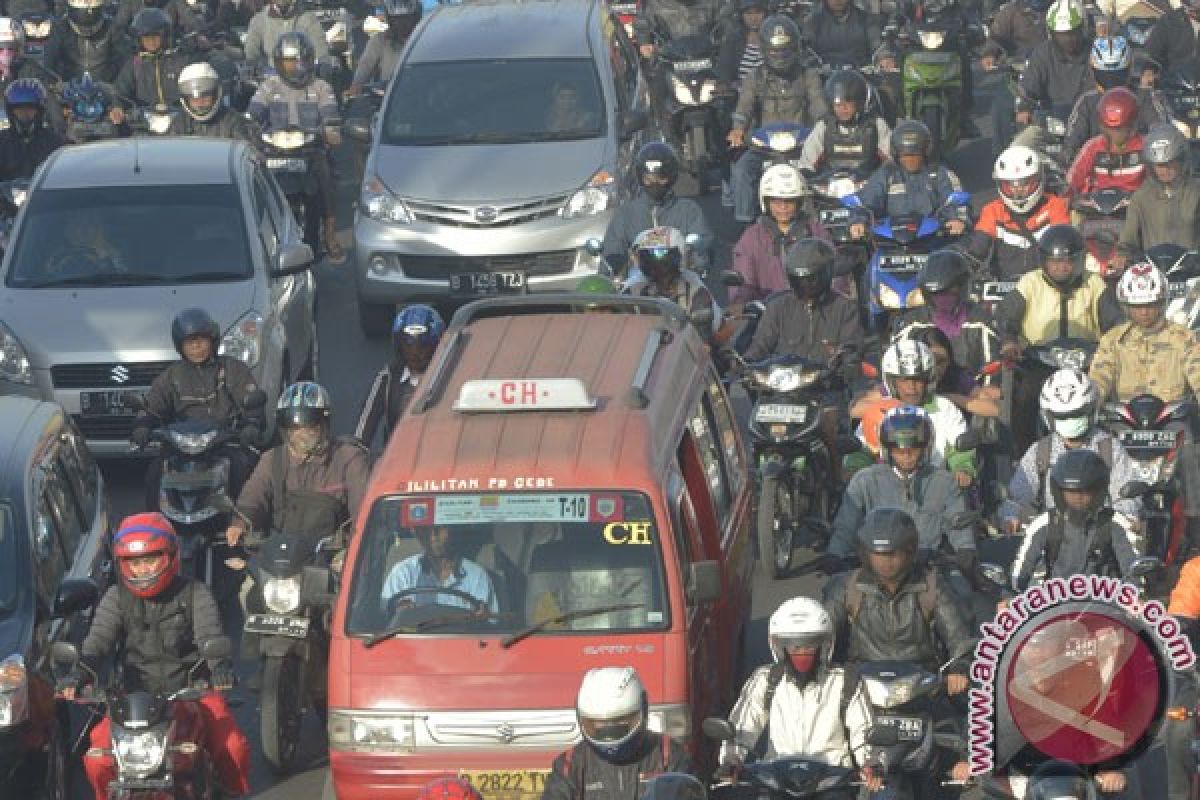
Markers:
8,559
62,502
494,102
131,236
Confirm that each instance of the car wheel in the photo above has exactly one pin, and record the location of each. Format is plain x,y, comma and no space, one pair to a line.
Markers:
375,318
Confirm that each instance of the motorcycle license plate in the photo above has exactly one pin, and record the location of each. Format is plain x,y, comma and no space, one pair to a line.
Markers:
908,262
1177,289
777,412
277,625
834,216
1157,439
484,283
908,729
114,403
694,65
507,784
997,290
287,164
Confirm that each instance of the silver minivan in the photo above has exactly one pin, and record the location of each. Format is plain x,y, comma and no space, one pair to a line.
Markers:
114,240
503,144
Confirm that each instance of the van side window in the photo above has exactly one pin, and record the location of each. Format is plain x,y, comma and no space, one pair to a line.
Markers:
624,76
61,503
706,435
735,465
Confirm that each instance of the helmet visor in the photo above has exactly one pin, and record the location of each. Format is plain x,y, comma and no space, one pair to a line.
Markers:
143,571
657,260
611,731
1020,189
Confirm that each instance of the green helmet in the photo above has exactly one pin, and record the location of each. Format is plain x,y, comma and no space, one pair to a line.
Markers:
1064,16
596,284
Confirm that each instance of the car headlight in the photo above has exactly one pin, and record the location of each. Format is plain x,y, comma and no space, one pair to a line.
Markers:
674,720
931,40
594,198
193,443
141,753
889,298
914,299
14,362
14,691
683,92
282,595
245,340
371,732
379,203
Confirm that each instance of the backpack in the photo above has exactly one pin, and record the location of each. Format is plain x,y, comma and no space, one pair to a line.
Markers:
927,599
1042,461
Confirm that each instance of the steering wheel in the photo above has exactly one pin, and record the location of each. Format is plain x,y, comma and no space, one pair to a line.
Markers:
476,603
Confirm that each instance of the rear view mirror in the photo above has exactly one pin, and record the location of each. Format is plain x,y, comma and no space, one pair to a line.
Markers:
704,581
217,648
75,594
293,258
358,129
64,656
718,729
630,122
731,278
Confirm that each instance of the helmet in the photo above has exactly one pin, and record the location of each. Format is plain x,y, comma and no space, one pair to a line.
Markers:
907,358
597,284
86,16
1118,108
449,789
1164,144
1110,61
1068,403
906,426
943,270
1065,16
12,35
196,81
808,264
782,181
282,8
25,92
910,138
888,530
612,711
847,85
303,404
1142,285
659,250
800,622
143,535
1060,780
780,39
1079,470
1020,178
1063,241
403,8
658,159
151,21
194,322
294,45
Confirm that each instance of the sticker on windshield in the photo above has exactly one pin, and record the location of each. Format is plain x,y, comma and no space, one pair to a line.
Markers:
470,509
632,532
606,507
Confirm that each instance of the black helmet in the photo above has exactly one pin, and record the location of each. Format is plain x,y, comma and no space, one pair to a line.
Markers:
194,322
86,16
911,138
1063,241
1079,470
943,270
1060,780
847,85
303,404
294,45
888,530
656,158
746,5
780,38
808,265
151,21
906,426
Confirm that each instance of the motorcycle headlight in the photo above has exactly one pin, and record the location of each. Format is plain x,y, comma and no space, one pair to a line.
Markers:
380,204
282,595
374,25
1146,471
891,693
158,122
682,92
1056,127
783,379
931,40
915,298
14,362
192,443
707,90
594,198
141,753
889,298
782,141
286,140
1184,127
371,732
14,691
841,187
245,340
336,33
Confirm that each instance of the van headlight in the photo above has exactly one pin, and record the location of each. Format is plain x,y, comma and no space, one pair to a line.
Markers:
14,691
244,340
594,198
14,362
371,732
282,595
380,204
140,753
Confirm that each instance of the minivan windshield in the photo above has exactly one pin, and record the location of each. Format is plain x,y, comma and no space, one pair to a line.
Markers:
495,102
131,236
501,563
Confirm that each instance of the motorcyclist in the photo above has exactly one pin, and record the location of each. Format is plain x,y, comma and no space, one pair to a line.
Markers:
204,114
183,19
1057,71
85,41
1068,407
661,21
655,205
1017,28
801,705
15,65
741,48
911,185
1005,238
618,750
295,96
1172,40
156,618
151,78
842,33
29,139
1112,160
849,138
781,90
416,332
382,53
662,257
1166,207
279,17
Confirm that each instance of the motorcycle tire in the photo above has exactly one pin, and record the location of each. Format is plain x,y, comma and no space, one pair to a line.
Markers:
281,710
932,118
776,537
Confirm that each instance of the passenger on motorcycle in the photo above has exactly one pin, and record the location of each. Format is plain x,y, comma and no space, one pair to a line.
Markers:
1112,160
204,113
296,97
15,66
842,33
910,185
280,17
28,140
382,53
180,12
952,381
801,705
416,332
1068,407
741,48
150,78
86,41
849,138
781,90
655,205
1057,71
1172,40
1166,208
1017,28
156,619
662,257
618,750
1005,238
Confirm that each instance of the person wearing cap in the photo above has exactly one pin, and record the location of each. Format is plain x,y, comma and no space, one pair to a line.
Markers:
1166,207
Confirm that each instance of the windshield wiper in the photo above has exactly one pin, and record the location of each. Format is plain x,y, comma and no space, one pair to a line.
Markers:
102,279
206,277
570,616
426,625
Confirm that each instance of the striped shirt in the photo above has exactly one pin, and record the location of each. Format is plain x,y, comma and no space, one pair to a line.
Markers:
751,59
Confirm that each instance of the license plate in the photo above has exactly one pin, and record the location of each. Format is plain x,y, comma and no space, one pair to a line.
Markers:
834,216
277,624
488,283
113,403
1186,101
1158,439
510,784
998,290
903,263
774,412
909,729
287,164
695,65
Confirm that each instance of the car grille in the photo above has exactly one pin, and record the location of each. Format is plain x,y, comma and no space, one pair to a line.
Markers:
435,267
487,216
96,376
104,427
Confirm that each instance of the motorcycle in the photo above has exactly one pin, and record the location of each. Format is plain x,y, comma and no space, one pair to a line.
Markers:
338,24
38,25
829,190
693,119
1181,268
931,82
290,154
1036,364
1103,217
778,143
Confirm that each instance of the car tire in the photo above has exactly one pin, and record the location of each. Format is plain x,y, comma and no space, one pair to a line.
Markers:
375,318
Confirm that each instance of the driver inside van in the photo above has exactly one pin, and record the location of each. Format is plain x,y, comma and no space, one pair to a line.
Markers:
439,565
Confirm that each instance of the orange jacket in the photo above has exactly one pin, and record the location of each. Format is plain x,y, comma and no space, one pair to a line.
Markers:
1185,597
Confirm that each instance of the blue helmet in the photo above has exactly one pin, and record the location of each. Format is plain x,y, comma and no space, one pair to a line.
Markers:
25,92
1110,61
86,99
418,325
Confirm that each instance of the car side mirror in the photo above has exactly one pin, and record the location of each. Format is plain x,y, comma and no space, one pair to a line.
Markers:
75,594
732,278
358,129
217,648
883,736
630,122
704,581
1134,489
718,729
293,258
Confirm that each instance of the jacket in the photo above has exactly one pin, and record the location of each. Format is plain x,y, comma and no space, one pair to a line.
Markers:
804,721
1185,597
664,20
1080,549
975,346
20,156
1053,80
1083,124
151,80
157,639
1006,240
791,326
1034,310
215,390
69,55
930,496
227,124
391,391
641,213
1096,167
893,627
766,97
1015,31
339,473
1160,215
689,293
1172,40
276,105
379,59
1129,361
581,774
265,29
851,39
859,149
757,256
893,192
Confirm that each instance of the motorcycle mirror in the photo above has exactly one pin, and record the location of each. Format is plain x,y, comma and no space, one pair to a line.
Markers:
358,129
994,573
718,728
64,656
755,309
1134,489
883,736
731,278
1143,566
75,594
255,399
216,648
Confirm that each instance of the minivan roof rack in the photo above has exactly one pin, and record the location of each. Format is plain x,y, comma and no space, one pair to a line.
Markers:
566,303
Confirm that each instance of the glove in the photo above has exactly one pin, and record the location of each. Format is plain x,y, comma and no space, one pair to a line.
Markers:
140,436
223,677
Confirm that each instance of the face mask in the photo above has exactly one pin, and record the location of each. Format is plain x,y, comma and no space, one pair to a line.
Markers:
803,663
657,191
1072,428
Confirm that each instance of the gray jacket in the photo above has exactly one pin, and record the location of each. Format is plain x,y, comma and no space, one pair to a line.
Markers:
1053,80
641,213
264,30
1081,549
766,97
790,326
276,105
1157,215
378,60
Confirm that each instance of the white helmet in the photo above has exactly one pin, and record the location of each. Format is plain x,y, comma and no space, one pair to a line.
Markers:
1068,403
1065,15
200,80
784,181
1142,285
1020,178
12,32
907,358
612,709
800,622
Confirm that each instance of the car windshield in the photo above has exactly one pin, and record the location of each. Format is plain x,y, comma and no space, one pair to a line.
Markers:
131,236
8,560
508,562
495,102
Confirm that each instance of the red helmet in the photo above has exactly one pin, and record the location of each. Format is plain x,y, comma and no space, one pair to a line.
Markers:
449,789
1118,108
140,536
